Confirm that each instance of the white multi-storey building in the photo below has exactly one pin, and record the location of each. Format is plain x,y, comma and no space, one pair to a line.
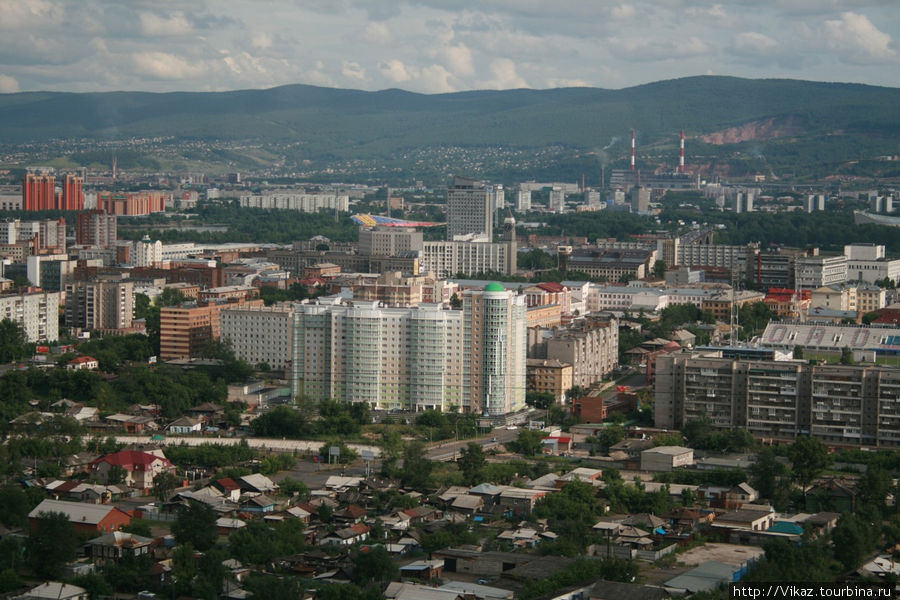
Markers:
37,313
298,201
260,334
867,262
815,271
523,200
447,259
413,358
470,209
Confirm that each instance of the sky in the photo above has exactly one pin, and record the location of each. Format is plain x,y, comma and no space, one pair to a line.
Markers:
436,46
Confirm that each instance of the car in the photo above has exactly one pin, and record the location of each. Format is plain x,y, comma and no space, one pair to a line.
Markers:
511,427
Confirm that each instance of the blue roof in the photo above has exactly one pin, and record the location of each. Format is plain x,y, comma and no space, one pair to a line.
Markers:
786,527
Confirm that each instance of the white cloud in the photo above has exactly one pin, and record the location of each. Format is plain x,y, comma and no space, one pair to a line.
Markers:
353,70
165,66
176,24
860,40
458,59
622,12
436,79
641,49
8,85
752,41
378,33
396,71
505,75
261,39
20,14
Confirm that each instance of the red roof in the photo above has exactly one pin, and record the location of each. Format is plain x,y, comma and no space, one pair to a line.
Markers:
82,359
359,528
227,484
559,438
890,316
551,286
132,460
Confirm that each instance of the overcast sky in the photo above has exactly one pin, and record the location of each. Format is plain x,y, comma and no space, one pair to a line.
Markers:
438,45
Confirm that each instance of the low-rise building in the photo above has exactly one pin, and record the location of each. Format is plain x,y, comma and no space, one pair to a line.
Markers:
666,458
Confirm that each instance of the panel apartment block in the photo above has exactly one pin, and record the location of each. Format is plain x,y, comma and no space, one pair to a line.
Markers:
838,404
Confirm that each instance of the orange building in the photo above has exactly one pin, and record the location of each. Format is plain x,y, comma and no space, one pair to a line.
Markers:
39,193
138,203
185,329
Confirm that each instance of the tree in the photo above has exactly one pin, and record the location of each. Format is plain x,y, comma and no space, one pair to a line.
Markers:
471,461
808,457
52,543
768,474
659,269
847,356
853,539
163,485
416,471
373,565
196,524
13,343
115,475
798,352
528,443
609,436
455,301
539,400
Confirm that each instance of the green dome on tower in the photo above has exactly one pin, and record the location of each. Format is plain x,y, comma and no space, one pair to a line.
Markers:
494,287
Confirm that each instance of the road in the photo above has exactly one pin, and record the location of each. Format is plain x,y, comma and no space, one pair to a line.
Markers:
446,451
278,445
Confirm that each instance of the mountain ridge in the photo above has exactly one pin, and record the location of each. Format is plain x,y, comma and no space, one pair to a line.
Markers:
340,122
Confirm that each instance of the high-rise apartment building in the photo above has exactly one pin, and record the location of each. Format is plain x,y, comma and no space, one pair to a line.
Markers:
37,313
133,203
842,405
470,209
413,358
105,305
185,329
38,192
495,343
260,334
96,228
72,193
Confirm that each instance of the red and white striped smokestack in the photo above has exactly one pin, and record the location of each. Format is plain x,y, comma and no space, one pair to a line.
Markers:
632,149
681,159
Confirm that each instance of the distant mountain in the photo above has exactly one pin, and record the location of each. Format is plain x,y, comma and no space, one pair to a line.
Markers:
348,123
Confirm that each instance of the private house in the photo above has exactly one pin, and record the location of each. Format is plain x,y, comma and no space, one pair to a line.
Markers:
835,494
752,520
115,545
258,504
739,495
257,483
229,488
54,590
185,425
83,363
520,501
425,570
348,536
87,518
227,525
138,469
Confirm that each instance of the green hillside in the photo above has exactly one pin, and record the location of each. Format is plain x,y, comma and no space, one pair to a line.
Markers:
843,121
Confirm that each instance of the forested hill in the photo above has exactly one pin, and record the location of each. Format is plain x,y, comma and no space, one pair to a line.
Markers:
342,122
